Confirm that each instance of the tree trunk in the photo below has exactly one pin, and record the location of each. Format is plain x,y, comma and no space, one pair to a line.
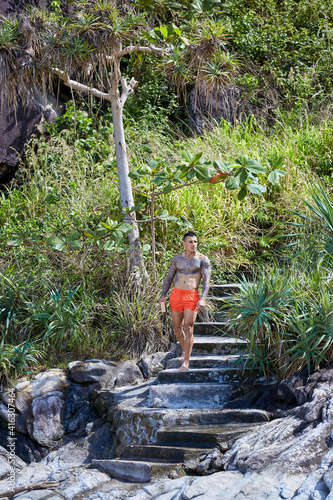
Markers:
125,188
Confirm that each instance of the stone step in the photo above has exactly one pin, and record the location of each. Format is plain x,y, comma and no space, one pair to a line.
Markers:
220,316
204,436
134,471
210,344
153,453
200,396
223,290
210,328
207,361
206,376
229,417
190,395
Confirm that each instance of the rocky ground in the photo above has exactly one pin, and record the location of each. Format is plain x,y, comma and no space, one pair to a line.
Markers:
64,422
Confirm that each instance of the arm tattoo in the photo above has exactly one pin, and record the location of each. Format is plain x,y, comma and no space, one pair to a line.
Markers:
206,272
169,277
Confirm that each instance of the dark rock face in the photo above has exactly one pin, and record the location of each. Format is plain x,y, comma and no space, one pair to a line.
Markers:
79,410
17,126
206,109
11,7
16,129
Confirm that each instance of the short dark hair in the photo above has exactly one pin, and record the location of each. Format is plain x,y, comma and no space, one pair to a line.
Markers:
189,233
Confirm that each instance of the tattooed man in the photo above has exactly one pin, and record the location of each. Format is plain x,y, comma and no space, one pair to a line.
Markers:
187,268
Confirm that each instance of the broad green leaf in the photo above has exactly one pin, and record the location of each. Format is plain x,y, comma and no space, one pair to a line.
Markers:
162,212
232,183
186,156
152,164
72,236
159,179
242,193
197,5
75,245
125,227
108,226
257,189
202,173
59,246
196,158
109,246
100,232
164,31
190,174
274,176
242,160
135,174
242,176
221,167
146,248
176,30
255,167
117,236
53,241
89,233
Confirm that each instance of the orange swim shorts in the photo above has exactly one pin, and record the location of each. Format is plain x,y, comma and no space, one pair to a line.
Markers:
183,299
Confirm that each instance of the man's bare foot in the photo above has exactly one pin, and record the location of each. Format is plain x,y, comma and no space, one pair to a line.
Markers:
183,368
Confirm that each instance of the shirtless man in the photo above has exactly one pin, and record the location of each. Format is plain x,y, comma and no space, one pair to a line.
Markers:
188,267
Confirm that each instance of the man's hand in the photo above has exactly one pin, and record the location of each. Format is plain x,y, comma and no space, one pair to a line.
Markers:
201,304
162,303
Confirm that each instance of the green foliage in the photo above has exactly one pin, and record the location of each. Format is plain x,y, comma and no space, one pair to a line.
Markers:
316,238
136,318
23,356
286,319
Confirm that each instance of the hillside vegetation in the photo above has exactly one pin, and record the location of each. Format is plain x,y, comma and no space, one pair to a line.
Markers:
62,303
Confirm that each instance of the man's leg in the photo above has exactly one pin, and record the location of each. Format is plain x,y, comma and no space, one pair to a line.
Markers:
189,319
178,325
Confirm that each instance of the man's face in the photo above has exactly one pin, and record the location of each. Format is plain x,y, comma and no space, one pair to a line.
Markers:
190,244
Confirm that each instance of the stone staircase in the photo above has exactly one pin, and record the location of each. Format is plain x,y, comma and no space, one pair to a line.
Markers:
181,414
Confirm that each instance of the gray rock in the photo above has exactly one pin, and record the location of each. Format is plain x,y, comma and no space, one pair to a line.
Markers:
14,134
33,473
6,462
101,373
66,466
129,373
153,363
76,481
65,458
288,440
328,478
40,495
104,401
286,388
166,486
100,442
43,383
208,487
204,466
48,418
19,423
